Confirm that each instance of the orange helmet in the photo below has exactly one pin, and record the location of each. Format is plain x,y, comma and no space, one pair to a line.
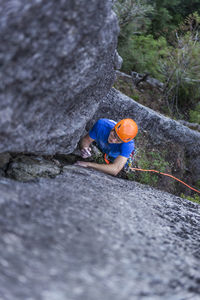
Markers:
126,130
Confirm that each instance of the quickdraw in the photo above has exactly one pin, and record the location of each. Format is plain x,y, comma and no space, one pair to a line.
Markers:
129,161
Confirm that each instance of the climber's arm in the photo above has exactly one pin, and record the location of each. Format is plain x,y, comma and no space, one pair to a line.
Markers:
112,169
86,141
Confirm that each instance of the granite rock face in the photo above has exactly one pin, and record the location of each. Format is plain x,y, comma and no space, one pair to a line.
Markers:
83,234
87,235
57,62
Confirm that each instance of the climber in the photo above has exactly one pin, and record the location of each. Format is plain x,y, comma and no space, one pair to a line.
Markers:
113,139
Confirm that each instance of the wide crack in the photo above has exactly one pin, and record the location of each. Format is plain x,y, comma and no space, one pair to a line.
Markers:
27,167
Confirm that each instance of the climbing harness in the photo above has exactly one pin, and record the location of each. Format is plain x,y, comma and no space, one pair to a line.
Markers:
130,160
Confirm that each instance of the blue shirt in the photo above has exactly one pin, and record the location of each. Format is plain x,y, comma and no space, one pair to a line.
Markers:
100,133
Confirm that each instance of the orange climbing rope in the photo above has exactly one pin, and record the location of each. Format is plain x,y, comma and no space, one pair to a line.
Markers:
143,170
165,174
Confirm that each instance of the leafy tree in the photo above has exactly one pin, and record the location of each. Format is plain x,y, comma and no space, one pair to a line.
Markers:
181,71
131,11
176,65
132,17
186,8
168,14
165,17
143,53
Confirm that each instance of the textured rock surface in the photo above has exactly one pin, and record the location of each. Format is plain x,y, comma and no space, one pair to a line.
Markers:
4,160
82,235
86,235
160,129
26,168
56,63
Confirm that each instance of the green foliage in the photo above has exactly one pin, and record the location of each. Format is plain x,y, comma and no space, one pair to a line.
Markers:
156,39
158,160
142,54
135,96
168,14
165,19
181,71
195,199
132,12
198,184
195,114
133,17
146,177
186,8
152,160
162,16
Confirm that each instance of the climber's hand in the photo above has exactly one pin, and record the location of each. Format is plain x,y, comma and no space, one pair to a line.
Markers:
86,152
84,164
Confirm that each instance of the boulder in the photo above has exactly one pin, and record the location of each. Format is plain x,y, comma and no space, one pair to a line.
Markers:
57,61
